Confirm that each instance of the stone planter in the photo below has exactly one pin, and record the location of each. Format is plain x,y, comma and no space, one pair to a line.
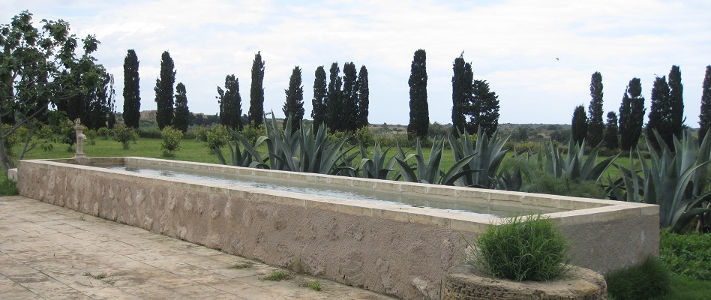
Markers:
464,282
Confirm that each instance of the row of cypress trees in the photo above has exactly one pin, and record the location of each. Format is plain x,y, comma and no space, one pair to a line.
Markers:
666,114
172,108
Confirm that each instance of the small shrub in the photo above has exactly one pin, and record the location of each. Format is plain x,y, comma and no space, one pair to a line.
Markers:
217,137
124,135
522,249
149,133
277,275
650,280
686,254
364,137
200,133
7,187
252,133
104,133
171,140
91,136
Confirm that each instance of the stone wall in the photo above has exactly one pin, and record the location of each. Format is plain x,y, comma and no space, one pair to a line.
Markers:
392,249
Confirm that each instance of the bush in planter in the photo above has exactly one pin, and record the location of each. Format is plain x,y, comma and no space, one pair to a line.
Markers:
649,280
522,249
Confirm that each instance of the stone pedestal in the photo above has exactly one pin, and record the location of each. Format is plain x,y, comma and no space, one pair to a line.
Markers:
463,282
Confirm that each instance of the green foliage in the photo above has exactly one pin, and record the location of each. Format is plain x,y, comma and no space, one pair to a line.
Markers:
461,92
486,157
253,132
428,171
363,136
675,180
419,111
575,165
124,135
217,137
318,113
522,249
363,97
314,285
181,119
244,156
334,101
378,165
277,275
660,115
171,140
164,91
705,116
483,109
303,150
67,133
230,103
294,104
649,280
579,126
611,139
256,92
350,98
676,101
686,254
595,125
131,90
7,187
547,184
104,132
91,136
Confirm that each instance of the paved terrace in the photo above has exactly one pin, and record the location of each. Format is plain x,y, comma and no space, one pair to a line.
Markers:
49,252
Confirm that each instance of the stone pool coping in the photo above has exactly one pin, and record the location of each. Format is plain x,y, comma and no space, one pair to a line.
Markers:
577,210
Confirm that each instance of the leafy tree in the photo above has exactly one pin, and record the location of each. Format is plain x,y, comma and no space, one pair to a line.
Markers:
579,126
595,125
256,91
294,105
131,90
419,112
334,103
676,101
631,115
182,113
319,101
610,139
350,97
164,91
363,97
705,116
230,103
660,114
461,92
483,109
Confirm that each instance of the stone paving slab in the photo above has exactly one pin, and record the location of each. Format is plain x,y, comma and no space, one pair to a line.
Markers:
49,252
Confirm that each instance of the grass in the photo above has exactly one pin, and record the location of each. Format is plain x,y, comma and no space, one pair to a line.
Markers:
242,265
314,285
277,275
649,280
7,187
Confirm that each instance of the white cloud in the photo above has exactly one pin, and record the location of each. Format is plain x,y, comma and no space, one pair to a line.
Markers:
513,44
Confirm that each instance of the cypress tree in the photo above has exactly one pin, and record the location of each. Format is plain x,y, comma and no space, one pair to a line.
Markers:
164,91
419,112
256,92
461,92
349,97
705,116
131,90
294,105
660,114
319,101
363,97
595,125
230,103
579,127
334,104
182,113
631,115
610,140
676,101
483,109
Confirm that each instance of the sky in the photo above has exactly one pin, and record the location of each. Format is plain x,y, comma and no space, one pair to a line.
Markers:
538,56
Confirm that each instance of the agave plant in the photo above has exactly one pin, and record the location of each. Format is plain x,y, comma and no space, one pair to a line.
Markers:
674,180
377,166
220,136
302,150
575,165
487,155
429,171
